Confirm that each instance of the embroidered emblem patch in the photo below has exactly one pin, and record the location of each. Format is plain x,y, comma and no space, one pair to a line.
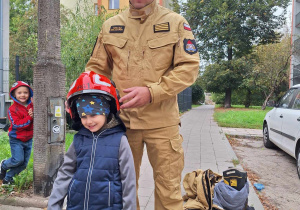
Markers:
162,27
190,46
117,29
186,27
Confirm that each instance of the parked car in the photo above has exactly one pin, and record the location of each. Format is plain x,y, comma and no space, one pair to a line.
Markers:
281,125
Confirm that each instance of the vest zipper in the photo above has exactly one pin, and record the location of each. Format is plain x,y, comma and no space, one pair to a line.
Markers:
88,182
109,194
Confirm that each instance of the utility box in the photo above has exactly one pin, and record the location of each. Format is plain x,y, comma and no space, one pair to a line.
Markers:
56,120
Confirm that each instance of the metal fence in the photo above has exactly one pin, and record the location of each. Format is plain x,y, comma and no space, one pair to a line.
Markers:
185,99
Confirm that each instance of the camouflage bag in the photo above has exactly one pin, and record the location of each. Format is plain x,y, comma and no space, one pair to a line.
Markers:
199,187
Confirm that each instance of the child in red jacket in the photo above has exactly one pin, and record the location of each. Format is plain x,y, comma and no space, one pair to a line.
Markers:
20,133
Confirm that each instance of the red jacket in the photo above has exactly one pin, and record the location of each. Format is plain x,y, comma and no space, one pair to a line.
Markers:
21,123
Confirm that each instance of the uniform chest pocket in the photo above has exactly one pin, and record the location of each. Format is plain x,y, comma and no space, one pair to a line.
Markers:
162,51
117,48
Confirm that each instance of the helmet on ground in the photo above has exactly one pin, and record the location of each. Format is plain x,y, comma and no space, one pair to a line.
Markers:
95,84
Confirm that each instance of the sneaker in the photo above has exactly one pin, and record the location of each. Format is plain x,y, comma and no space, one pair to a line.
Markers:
2,171
6,183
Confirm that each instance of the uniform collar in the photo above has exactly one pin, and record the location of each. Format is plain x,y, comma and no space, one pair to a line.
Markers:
142,13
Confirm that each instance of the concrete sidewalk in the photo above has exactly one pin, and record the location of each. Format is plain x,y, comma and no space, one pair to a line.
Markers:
205,146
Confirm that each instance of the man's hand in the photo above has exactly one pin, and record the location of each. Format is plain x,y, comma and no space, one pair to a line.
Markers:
136,97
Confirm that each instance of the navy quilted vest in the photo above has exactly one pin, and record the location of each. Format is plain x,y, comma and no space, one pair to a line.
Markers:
96,184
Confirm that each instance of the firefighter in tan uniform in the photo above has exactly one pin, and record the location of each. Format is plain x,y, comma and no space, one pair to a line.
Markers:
151,54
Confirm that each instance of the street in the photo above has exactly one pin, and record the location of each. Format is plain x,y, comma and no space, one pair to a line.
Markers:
274,169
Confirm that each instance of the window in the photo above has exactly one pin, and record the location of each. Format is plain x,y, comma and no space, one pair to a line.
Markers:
296,104
96,9
114,4
286,99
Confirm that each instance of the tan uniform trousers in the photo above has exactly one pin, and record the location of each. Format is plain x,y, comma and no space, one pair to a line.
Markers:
165,153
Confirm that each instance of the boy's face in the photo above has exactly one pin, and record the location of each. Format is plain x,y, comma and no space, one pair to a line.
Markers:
93,122
22,94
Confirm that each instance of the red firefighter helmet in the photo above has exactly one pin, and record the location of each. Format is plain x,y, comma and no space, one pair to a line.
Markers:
93,83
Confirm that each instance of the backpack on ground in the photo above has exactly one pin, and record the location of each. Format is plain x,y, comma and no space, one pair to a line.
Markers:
199,188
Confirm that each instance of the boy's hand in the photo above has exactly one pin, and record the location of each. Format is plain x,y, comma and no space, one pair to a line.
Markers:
30,112
67,108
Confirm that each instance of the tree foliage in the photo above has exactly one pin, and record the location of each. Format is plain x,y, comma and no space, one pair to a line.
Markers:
23,37
229,28
226,75
271,66
79,30
175,5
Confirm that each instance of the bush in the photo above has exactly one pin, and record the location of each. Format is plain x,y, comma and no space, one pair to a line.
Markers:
239,97
197,94
218,98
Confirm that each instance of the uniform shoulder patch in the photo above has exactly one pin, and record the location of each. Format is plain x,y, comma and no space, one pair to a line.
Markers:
190,46
162,27
117,29
186,27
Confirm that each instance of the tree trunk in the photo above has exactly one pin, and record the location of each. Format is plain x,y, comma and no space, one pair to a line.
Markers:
229,53
48,83
227,102
267,99
248,99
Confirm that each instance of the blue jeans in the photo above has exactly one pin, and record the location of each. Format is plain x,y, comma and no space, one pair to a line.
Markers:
20,154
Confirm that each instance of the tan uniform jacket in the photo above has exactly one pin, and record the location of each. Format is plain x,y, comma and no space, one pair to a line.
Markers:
151,47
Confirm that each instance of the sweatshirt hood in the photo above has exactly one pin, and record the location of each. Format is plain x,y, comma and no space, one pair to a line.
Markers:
19,84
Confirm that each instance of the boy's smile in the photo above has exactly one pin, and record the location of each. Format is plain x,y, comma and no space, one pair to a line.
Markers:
93,122
22,94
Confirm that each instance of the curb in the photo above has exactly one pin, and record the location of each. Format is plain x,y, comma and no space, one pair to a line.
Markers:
35,201
253,199
244,136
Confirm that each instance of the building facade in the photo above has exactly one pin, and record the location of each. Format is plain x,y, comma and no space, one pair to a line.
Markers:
109,5
4,57
295,40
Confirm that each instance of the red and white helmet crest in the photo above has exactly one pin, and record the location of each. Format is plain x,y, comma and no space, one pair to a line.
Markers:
93,83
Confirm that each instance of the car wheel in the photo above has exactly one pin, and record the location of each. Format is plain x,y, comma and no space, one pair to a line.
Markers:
298,162
266,139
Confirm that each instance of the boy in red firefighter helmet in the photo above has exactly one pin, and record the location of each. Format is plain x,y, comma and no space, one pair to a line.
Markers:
98,169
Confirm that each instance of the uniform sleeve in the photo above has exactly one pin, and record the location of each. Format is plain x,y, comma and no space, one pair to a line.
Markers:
100,61
185,67
63,179
18,122
127,175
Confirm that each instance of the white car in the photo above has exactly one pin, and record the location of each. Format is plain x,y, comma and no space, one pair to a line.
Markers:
282,125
